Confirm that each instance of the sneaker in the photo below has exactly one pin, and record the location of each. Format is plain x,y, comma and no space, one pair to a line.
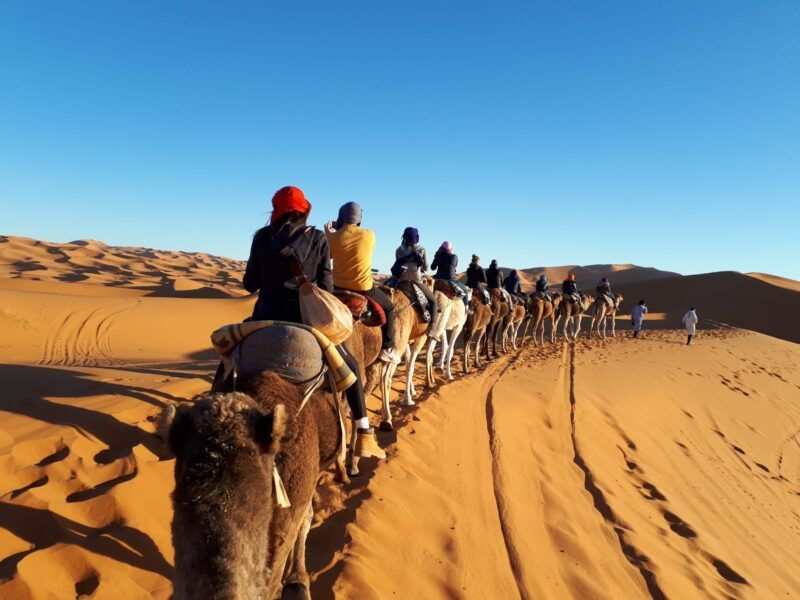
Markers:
389,355
367,445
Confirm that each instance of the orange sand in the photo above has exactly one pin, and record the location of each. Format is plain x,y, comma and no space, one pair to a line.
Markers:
624,469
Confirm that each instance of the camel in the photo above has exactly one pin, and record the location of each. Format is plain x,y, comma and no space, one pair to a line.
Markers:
445,304
500,310
573,310
602,312
478,317
454,324
541,310
231,538
410,334
513,322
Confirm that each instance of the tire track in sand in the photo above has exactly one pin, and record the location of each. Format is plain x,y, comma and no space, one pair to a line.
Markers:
514,559
83,338
635,557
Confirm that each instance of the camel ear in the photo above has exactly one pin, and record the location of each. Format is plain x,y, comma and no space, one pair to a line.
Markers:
174,427
270,429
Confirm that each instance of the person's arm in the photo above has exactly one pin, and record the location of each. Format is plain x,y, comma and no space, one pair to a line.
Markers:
435,263
481,275
252,277
324,278
644,310
455,263
424,256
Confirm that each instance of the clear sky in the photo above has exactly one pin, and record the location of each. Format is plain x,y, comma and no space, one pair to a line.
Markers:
664,134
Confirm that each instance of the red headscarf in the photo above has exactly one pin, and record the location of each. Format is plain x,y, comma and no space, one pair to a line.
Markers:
288,199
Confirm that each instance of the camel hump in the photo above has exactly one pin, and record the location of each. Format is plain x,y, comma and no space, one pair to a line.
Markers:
291,352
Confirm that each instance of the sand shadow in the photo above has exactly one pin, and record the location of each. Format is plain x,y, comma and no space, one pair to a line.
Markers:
43,529
39,382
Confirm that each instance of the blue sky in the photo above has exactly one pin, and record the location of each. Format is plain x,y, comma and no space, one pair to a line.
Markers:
665,134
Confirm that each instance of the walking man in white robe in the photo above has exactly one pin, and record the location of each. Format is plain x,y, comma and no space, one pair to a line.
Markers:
637,317
690,322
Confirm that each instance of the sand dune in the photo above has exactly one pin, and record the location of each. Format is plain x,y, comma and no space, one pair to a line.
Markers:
729,297
620,469
152,272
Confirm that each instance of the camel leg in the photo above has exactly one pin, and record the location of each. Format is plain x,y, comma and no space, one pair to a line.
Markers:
387,371
613,324
467,342
411,390
353,471
481,337
448,374
443,350
430,379
297,583
578,319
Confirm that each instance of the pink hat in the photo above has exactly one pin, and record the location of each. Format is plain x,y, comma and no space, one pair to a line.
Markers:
447,246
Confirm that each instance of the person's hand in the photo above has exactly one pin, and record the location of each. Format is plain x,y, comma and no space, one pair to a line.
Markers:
330,226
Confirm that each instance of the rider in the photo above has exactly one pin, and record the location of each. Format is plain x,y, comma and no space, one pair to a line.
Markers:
570,288
476,277
494,277
412,262
512,284
604,288
269,273
445,263
351,250
541,287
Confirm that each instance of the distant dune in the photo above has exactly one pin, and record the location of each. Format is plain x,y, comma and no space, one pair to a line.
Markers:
150,272
733,298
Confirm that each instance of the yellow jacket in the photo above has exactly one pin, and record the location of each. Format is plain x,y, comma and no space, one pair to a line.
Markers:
351,250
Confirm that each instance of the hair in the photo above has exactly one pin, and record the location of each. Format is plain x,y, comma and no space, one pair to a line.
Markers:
641,301
293,217
691,308
475,258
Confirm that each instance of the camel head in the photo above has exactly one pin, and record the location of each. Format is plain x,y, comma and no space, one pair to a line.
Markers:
225,447
428,282
619,300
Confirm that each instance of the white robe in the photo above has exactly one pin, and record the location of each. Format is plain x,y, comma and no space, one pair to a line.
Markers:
690,321
637,316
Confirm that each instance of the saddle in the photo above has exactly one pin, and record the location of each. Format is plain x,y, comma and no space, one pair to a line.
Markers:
483,293
495,293
363,308
415,295
610,301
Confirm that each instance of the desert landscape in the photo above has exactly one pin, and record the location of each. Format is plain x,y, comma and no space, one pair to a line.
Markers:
603,469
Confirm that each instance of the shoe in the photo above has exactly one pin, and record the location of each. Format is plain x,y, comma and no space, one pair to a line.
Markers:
389,355
367,445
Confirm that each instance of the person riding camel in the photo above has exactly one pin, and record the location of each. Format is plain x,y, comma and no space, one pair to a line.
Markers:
542,287
269,272
476,278
445,263
410,263
494,279
570,289
351,250
604,289
512,284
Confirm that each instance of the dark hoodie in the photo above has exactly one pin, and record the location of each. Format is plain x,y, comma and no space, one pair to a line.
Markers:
494,276
512,284
445,264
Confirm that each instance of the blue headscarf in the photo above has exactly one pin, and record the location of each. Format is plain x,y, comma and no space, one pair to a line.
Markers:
543,278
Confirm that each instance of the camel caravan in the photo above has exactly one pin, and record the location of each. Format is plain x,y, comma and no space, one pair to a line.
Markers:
322,337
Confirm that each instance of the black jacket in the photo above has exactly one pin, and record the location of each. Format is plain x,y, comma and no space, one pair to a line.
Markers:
541,286
475,275
604,287
268,269
445,264
512,285
494,277
569,287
